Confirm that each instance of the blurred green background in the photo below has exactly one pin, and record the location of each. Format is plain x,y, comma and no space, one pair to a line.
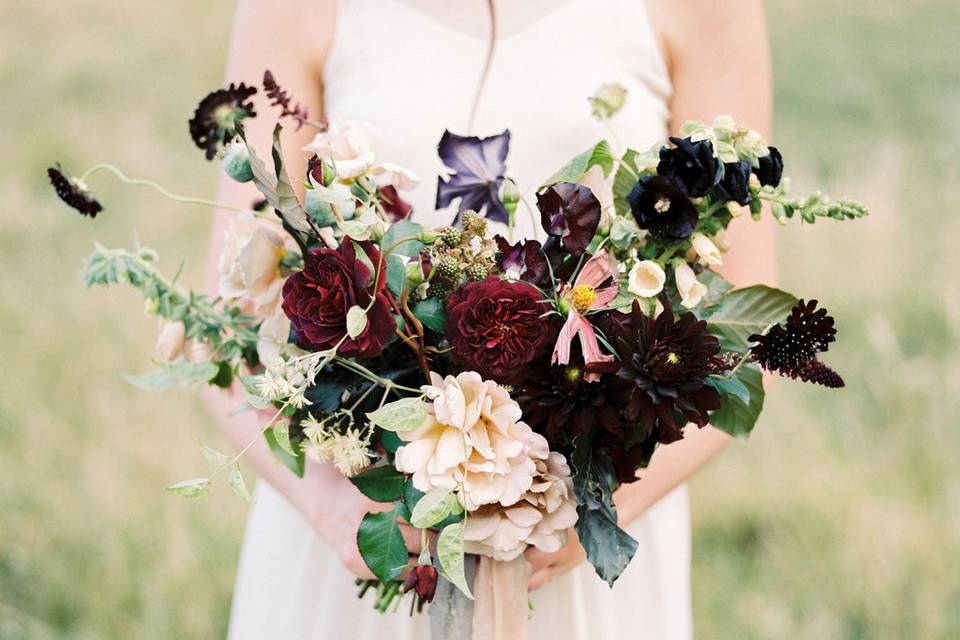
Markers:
841,519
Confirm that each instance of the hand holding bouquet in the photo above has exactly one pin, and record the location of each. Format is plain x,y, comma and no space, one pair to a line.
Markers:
492,391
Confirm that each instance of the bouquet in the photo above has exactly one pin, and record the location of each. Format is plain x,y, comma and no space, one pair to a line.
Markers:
494,391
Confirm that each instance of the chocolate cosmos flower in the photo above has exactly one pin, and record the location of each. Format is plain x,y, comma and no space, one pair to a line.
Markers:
662,209
73,192
791,349
215,121
770,170
478,166
571,213
691,165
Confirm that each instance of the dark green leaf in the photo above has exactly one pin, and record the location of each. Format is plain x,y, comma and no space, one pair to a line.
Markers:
381,545
400,230
411,496
743,312
390,440
623,183
734,416
431,314
276,188
732,387
293,462
380,484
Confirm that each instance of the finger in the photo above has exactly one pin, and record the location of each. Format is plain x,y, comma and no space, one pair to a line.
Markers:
540,578
538,559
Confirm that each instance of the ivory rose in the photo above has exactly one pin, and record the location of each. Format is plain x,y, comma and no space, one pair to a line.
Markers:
351,144
249,265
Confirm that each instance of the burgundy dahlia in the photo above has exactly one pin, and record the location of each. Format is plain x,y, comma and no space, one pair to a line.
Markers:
665,362
791,349
497,328
318,298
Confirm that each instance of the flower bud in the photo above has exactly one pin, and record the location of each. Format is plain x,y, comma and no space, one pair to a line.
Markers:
706,250
171,341
510,196
691,290
328,172
422,579
608,99
646,279
236,162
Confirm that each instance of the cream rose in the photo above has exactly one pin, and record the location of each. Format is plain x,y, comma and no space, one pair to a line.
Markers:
691,290
249,265
706,250
646,279
351,144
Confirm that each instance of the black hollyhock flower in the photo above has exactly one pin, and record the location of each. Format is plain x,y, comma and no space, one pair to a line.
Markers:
569,212
665,363
73,192
479,167
524,260
662,209
691,165
735,184
215,121
791,349
770,170
562,405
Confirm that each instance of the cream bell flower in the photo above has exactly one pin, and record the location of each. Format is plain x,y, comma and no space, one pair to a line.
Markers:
351,144
691,290
171,341
707,251
646,279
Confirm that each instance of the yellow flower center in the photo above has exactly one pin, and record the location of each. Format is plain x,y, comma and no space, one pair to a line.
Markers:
582,297
572,373
673,358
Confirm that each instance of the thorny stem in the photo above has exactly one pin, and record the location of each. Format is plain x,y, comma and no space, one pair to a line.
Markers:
156,187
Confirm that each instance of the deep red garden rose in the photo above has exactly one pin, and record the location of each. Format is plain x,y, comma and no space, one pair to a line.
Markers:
497,328
318,298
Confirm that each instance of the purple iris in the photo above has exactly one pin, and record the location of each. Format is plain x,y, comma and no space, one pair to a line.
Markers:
478,171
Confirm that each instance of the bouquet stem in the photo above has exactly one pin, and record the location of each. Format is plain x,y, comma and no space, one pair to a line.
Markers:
451,612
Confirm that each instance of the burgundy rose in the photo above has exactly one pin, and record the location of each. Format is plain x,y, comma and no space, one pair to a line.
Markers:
423,580
497,329
318,298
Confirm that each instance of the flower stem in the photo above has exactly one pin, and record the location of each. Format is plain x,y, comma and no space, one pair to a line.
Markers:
153,185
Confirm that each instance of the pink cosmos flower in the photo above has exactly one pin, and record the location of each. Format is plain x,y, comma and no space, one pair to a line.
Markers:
595,287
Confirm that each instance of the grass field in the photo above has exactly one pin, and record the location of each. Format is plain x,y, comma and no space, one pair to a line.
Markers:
841,519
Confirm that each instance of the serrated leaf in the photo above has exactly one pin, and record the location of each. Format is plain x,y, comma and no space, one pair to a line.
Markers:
738,418
213,456
157,380
401,415
381,545
193,488
450,555
599,154
432,508
281,433
380,484
400,230
431,314
235,480
743,312
356,321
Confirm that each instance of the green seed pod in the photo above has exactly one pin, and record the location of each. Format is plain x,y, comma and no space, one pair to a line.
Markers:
236,162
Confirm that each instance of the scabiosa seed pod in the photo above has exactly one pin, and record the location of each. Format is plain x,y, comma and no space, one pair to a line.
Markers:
236,162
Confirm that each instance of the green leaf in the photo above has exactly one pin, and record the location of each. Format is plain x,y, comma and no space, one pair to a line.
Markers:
276,187
293,461
356,321
213,456
743,312
734,416
450,554
431,314
411,496
153,381
732,387
193,488
599,154
396,274
381,545
625,180
281,433
380,484
432,508
192,372
235,480
400,230
401,415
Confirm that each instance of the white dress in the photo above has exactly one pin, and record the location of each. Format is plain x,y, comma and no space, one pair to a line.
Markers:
398,67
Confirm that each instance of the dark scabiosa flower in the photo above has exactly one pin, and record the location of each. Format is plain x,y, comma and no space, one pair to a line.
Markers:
478,166
496,328
791,349
215,121
691,165
770,170
665,363
563,405
570,213
74,192
662,209
735,184
423,580
524,260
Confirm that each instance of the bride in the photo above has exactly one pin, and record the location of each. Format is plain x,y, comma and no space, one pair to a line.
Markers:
413,68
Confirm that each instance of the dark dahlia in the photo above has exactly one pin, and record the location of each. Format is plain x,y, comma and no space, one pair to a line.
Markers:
690,165
497,328
215,121
74,193
662,209
318,299
770,170
791,348
665,363
569,212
